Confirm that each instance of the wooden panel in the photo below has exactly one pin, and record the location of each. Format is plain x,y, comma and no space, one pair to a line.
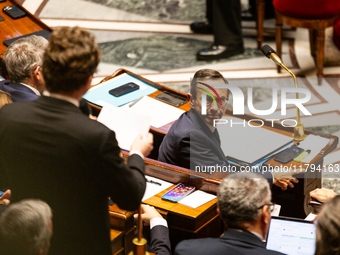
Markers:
116,240
121,220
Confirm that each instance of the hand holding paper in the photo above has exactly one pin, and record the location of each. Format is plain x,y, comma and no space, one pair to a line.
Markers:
144,145
128,125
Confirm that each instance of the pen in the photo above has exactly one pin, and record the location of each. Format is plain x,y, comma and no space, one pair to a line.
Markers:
135,102
153,182
302,156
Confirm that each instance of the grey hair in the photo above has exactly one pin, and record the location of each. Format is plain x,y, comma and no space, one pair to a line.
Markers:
23,56
239,197
25,227
328,228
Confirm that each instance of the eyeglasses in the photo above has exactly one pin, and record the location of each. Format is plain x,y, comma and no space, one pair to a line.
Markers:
210,100
271,206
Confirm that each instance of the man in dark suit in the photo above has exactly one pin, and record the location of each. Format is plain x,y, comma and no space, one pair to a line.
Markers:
193,142
23,59
49,150
244,203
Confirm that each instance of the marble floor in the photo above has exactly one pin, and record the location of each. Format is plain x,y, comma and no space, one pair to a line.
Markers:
152,38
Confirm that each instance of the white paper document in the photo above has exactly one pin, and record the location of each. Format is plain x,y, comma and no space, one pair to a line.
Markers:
276,211
310,217
197,199
313,143
153,187
161,113
125,123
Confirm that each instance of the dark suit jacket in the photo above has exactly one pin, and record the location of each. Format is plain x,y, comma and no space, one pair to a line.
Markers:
49,150
232,242
160,242
18,92
190,144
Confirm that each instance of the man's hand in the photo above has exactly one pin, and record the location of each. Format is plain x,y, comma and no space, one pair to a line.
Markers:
144,145
6,197
283,183
148,213
322,195
286,173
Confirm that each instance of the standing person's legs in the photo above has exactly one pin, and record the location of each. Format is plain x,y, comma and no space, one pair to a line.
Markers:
204,27
226,21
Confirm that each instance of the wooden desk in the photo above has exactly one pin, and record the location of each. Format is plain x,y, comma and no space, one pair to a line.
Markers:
184,222
122,230
187,223
298,196
158,133
11,28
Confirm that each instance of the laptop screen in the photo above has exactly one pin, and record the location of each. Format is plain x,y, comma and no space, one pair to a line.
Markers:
291,236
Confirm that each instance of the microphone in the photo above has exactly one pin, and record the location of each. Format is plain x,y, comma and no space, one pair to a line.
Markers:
271,54
299,129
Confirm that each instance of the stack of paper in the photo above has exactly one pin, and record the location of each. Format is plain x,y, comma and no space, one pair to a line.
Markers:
154,187
161,113
197,199
126,124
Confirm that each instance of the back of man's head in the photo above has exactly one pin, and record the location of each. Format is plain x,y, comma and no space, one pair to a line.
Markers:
26,228
71,57
240,196
23,56
328,228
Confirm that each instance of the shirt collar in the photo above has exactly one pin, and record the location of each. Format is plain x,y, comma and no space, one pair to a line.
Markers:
62,97
31,88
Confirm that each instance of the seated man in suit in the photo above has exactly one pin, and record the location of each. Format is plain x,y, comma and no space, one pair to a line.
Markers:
244,203
50,151
193,140
23,59
26,228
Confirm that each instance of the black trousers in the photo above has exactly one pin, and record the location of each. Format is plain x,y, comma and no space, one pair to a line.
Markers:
225,16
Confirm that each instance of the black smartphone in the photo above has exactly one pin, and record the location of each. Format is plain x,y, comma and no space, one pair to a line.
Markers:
171,98
178,192
124,89
14,11
2,1
288,154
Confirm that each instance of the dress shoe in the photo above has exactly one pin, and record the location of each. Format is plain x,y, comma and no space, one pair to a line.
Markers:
219,51
248,15
202,27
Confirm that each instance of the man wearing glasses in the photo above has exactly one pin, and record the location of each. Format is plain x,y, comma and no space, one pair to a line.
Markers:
244,204
193,140
194,143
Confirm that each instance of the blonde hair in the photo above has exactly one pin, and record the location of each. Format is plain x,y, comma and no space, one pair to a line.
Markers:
5,98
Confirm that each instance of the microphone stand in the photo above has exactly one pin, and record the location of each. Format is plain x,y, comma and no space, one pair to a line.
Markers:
139,243
299,129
